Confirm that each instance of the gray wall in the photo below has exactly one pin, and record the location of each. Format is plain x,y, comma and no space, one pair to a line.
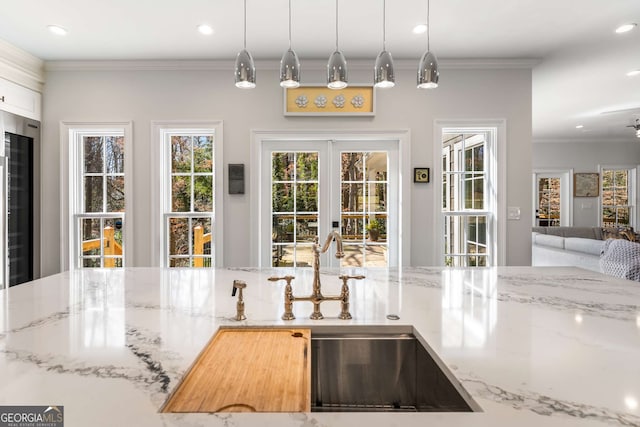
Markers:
145,95
585,157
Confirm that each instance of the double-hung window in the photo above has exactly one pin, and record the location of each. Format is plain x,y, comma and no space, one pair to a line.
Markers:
468,197
618,196
191,159
98,195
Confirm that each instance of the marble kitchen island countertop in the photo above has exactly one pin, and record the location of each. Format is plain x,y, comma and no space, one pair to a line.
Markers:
533,346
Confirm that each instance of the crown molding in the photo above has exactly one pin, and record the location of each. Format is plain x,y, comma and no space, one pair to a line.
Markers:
594,140
311,64
21,67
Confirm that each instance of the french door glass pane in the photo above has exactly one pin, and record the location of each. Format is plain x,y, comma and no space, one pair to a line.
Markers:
294,207
363,211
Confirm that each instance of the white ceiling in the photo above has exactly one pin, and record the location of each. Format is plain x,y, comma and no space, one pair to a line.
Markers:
581,73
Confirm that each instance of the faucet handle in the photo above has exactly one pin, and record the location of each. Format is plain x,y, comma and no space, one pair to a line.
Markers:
288,279
345,277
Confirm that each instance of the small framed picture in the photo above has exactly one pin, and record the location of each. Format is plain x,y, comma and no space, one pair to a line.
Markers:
420,174
586,185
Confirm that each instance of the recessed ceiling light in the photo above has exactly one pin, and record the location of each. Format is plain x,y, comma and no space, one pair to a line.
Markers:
205,29
57,30
579,126
633,73
419,29
625,28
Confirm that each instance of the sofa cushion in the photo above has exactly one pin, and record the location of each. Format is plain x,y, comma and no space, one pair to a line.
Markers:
621,258
578,244
549,240
584,232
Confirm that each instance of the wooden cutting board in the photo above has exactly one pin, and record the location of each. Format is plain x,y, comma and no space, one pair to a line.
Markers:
249,370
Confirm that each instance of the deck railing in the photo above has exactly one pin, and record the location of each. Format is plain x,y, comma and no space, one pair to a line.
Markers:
110,249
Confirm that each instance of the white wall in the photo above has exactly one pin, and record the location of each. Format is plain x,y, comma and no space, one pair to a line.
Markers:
145,95
585,157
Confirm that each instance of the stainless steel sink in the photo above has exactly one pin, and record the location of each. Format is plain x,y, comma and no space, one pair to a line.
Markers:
363,370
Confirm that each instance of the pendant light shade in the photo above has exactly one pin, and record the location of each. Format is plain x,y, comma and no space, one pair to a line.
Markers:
289,70
428,72
337,65
245,69
383,75
290,64
337,71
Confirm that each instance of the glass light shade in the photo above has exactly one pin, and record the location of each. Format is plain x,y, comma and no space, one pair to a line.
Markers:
337,71
289,70
383,75
428,73
245,71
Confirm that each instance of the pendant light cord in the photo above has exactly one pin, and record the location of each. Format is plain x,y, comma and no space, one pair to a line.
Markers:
245,24
337,26
384,24
428,27
289,24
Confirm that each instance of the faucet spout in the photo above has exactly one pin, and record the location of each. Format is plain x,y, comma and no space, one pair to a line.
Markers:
334,235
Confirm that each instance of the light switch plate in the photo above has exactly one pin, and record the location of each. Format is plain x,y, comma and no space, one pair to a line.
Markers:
513,212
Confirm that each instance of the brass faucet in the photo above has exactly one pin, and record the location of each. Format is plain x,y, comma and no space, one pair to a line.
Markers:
316,297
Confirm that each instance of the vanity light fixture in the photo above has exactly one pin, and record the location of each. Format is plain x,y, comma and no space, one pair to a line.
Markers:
289,64
245,70
337,65
626,28
428,72
57,30
383,75
205,29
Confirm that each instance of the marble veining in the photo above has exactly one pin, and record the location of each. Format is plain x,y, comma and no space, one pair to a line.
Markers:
548,406
532,346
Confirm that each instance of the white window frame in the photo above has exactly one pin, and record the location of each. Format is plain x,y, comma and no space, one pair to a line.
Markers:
260,203
634,171
161,185
495,186
71,134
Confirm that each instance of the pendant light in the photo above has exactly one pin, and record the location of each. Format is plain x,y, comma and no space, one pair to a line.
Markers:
428,73
245,71
337,65
383,75
289,64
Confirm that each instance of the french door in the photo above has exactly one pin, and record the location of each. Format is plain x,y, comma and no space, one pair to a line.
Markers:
552,195
309,188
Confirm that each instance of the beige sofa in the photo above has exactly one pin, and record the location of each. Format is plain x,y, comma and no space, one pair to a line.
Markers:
567,246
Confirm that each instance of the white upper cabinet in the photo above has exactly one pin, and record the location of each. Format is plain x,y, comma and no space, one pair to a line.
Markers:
19,100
